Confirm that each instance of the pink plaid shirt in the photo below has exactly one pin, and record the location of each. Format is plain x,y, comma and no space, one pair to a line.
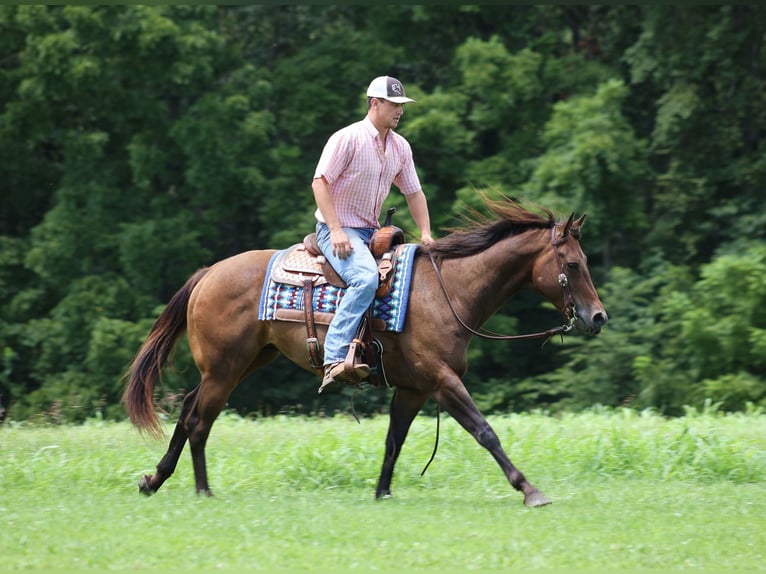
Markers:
360,174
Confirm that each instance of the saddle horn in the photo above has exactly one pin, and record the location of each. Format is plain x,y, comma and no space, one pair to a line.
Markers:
389,213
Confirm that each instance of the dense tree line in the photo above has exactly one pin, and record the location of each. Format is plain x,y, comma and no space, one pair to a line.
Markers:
140,143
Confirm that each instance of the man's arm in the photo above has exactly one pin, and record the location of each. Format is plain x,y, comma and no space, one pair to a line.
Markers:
325,202
418,206
341,246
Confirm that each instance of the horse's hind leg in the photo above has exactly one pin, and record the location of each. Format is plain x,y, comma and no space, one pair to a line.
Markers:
405,405
150,484
217,384
200,409
456,400
212,398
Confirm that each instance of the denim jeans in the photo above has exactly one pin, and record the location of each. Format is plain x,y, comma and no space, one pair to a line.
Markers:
360,273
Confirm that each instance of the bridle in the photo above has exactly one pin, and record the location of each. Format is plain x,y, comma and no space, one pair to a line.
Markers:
570,310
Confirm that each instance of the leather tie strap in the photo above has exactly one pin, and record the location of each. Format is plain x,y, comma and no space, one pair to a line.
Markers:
312,343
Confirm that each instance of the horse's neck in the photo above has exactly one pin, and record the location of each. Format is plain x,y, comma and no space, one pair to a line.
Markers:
481,283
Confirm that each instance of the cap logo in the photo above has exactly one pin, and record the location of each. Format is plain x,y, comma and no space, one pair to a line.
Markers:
395,88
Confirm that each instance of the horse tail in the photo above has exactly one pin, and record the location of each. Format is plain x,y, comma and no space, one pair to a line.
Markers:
147,365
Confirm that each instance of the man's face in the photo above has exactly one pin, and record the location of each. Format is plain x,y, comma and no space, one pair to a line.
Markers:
389,113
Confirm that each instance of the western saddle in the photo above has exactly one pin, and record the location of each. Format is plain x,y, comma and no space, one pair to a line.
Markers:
303,265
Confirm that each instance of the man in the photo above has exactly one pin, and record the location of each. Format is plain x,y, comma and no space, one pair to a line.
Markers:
352,179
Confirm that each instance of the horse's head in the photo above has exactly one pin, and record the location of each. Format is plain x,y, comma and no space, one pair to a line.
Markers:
563,277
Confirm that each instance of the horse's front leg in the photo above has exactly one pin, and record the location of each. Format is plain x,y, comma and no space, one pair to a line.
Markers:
149,484
405,405
455,399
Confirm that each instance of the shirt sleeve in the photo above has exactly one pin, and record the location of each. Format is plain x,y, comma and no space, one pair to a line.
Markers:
407,179
336,156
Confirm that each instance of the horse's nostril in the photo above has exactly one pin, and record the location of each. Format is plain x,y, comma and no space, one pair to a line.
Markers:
599,319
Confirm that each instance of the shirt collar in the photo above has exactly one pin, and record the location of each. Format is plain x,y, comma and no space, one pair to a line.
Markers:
371,129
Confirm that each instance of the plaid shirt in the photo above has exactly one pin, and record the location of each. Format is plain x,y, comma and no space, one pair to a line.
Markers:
360,173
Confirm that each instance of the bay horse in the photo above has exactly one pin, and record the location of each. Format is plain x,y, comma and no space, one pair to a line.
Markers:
458,282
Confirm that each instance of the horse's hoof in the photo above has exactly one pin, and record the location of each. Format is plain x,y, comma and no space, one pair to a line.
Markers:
143,485
383,495
535,499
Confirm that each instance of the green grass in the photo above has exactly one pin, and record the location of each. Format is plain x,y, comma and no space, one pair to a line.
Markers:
629,490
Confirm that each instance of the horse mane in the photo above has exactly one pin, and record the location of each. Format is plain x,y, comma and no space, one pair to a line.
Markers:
481,232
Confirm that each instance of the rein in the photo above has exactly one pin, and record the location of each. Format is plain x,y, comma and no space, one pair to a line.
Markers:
570,311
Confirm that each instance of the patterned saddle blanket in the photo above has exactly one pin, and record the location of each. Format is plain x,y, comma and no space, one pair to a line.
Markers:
282,296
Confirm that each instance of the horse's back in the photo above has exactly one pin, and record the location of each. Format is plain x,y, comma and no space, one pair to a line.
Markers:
235,275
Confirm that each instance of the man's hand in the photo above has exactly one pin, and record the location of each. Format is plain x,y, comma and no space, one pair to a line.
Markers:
341,246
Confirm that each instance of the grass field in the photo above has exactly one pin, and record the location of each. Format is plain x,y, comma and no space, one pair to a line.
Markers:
630,491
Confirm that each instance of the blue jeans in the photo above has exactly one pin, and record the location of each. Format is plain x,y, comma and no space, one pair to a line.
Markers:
360,273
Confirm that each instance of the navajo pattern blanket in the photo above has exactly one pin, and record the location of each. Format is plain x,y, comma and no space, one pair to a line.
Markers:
391,309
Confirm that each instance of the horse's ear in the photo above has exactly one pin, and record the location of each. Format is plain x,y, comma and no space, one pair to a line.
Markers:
577,226
568,226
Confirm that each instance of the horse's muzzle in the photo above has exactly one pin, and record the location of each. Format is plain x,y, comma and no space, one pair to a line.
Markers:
592,323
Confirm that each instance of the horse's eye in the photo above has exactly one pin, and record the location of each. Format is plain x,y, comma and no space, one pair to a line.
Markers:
573,265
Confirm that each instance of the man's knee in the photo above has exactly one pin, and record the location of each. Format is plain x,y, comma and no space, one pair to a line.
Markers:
366,279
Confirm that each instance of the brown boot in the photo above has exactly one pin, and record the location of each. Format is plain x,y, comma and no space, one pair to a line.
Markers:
335,375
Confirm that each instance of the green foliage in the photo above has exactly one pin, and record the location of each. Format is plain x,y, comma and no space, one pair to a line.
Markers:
710,335
724,324
594,160
708,105
142,142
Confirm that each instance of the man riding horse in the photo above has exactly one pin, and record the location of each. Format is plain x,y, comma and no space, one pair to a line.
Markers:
354,175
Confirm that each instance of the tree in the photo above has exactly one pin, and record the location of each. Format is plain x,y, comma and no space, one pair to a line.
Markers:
142,142
705,66
594,160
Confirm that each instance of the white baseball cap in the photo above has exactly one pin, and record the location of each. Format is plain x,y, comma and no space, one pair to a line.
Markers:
389,89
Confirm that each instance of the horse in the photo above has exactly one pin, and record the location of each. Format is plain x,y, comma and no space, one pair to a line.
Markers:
458,283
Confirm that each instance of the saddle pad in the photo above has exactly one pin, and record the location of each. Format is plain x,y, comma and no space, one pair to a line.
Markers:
391,309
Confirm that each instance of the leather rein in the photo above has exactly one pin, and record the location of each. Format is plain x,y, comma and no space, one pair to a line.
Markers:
570,310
